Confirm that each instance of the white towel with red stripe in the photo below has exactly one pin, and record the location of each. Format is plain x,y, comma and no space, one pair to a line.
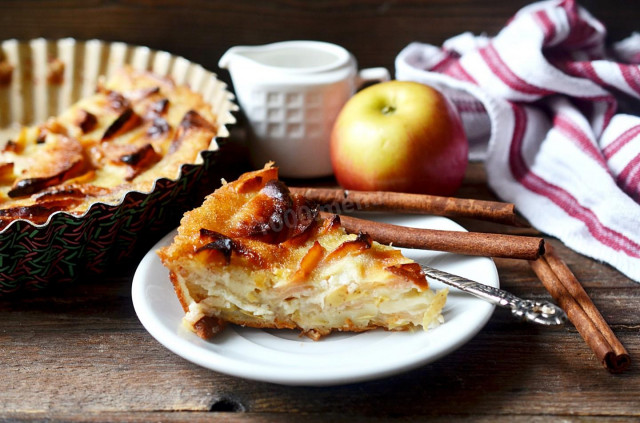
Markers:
541,104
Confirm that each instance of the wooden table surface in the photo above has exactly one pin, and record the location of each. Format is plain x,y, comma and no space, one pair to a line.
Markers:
82,354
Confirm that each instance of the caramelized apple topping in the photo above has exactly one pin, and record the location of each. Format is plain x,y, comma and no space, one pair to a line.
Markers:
277,191
225,246
127,120
315,227
249,185
116,100
306,215
139,155
330,224
308,263
159,126
140,160
251,256
273,215
301,238
262,218
24,187
57,162
84,178
10,146
41,138
38,213
294,220
70,191
6,172
191,120
86,121
159,107
52,126
411,271
358,245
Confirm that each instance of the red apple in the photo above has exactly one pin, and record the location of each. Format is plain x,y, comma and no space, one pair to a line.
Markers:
399,136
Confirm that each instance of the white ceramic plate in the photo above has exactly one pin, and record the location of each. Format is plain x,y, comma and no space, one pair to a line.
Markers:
282,356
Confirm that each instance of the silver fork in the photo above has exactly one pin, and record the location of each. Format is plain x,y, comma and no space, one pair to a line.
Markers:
541,312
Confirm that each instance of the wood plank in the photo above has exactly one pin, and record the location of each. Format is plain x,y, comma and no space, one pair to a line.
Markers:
509,368
196,417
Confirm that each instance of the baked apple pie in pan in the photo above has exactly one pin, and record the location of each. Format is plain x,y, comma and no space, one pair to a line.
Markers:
136,129
79,190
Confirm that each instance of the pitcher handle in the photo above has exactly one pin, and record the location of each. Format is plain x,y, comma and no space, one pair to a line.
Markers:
372,75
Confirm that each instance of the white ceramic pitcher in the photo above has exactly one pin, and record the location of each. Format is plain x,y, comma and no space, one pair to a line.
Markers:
291,93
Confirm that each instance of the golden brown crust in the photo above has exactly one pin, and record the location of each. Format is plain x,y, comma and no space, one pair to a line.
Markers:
316,334
276,324
411,271
179,292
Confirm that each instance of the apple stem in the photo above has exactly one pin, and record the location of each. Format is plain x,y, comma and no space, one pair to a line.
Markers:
387,110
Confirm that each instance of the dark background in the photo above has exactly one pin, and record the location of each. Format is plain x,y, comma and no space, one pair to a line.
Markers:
202,30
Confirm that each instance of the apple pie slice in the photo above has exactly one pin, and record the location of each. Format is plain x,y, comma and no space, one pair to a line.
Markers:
256,255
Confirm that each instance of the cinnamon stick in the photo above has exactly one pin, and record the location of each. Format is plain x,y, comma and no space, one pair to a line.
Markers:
567,291
470,243
344,201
